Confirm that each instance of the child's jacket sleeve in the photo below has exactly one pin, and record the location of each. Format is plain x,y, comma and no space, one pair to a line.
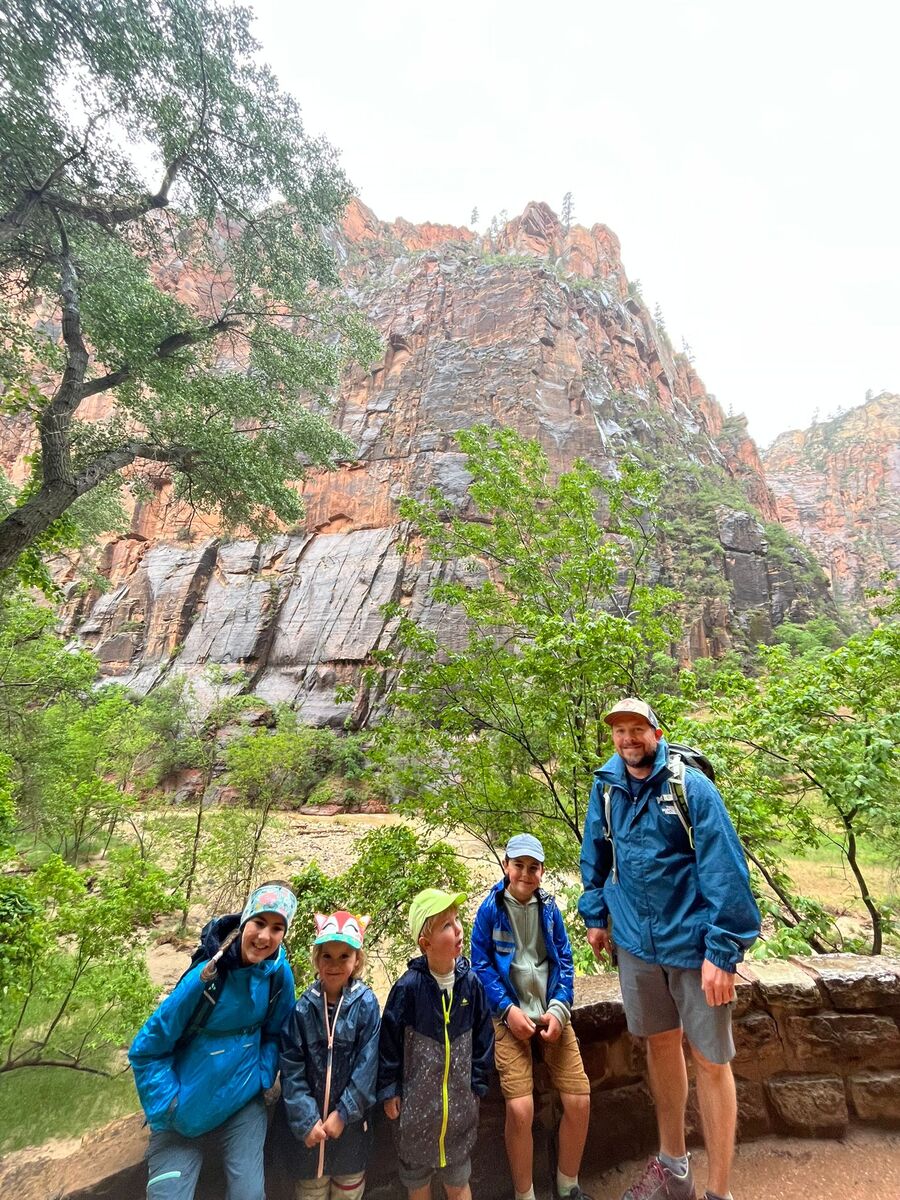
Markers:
270,1034
151,1053
560,1002
482,1040
390,1044
495,987
359,1095
300,1105
596,863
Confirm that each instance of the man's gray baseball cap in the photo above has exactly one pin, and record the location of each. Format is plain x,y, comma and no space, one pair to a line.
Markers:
632,705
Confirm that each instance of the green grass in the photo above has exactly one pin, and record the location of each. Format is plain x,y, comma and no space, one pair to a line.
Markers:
38,1103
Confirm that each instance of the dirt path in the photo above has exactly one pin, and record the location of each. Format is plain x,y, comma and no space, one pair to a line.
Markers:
863,1166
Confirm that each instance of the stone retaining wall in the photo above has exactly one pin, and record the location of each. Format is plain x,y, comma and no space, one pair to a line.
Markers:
818,1046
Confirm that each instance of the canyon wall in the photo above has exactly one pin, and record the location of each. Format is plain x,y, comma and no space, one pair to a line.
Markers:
534,326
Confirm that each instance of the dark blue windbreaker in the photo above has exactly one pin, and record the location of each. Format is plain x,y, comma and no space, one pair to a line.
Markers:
494,944
669,904
354,1074
436,1055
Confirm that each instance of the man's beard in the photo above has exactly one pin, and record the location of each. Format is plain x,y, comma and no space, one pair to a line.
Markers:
646,760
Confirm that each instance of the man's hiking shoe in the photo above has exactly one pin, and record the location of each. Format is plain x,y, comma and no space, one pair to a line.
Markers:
575,1194
659,1183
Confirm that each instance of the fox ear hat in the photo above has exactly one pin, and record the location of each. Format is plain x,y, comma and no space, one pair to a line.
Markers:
341,926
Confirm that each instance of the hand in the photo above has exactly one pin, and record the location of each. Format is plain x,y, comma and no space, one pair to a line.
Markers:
519,1025
334,1124
552,1028
600,942
316,1134
718,985
273,1094
392,1108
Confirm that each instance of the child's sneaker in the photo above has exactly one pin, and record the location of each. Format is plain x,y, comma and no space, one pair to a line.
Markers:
659,1183
575,1194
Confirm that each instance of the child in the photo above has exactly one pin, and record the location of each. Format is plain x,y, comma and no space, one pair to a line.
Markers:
203,1059
435,1052
521,953
329,1065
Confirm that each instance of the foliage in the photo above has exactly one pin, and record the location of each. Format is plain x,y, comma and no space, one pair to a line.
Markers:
74,978
549,618
392,865
809,754
213,382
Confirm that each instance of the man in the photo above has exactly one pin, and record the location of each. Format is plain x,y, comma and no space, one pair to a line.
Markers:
677,890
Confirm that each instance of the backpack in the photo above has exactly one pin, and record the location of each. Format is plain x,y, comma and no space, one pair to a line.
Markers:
681,756
213,934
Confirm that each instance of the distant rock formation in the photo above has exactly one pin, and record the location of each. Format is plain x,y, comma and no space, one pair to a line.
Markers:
837,486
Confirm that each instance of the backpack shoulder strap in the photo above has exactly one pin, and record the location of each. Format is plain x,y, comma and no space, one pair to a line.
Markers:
606,802
202,1012
679,795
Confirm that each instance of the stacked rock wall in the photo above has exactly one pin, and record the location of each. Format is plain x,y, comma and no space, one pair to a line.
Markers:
818,1046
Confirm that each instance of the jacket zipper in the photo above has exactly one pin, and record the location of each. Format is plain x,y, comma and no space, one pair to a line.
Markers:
445,1094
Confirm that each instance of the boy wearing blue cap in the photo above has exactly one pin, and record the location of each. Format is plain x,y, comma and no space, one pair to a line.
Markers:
521,954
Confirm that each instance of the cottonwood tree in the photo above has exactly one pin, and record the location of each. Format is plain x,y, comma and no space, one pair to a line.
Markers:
545,614
133,139
808,746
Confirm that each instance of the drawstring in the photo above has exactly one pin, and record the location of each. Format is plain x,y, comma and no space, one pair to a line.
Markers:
326,1100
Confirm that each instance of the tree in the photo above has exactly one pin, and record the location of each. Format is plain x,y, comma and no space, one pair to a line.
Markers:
207,381
473,219
810,750
544,618
568,209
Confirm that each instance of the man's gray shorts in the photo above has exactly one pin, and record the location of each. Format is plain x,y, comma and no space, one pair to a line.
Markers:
661,998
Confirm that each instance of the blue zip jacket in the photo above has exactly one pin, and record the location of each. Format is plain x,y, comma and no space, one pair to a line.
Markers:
669,904
354,1073
494,944
234,1057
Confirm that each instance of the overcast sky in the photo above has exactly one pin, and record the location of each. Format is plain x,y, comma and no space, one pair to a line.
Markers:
745,154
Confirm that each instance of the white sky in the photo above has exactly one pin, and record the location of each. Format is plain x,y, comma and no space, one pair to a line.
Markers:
745,154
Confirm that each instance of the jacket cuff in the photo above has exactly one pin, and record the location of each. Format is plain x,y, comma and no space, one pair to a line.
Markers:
560,1011
725,962
345,1113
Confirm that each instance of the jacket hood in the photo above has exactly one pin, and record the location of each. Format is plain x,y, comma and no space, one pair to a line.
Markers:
614,770
420,964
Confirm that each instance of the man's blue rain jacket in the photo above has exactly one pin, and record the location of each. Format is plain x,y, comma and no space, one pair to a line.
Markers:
494,945
669,903
354,1075
195,1087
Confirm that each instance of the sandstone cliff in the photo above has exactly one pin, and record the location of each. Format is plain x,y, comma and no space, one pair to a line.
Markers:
534,326
837,486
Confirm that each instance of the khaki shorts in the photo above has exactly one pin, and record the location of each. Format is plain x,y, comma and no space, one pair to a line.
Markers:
514,1063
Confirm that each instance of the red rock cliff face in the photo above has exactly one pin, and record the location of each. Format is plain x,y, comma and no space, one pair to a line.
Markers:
534,327
838,490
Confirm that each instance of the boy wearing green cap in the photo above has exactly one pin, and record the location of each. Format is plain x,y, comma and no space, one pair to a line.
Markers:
435,1051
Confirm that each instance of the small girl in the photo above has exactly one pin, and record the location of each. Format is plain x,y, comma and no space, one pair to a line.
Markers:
329,1065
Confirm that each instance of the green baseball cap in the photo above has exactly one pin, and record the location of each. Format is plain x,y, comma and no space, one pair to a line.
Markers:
429,903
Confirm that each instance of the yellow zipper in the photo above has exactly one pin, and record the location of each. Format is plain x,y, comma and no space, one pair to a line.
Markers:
444,1089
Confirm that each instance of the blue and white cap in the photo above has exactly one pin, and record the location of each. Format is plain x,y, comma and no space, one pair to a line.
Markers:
524,845
274,897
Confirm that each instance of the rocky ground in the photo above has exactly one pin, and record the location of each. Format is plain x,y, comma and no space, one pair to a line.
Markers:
865,1165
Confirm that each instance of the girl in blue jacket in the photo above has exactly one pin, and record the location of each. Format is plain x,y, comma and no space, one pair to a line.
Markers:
204,1058
329,1066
